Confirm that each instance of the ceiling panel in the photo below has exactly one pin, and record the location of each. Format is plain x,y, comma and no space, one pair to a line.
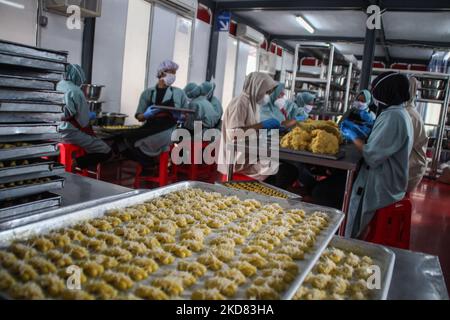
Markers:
411,53
326,23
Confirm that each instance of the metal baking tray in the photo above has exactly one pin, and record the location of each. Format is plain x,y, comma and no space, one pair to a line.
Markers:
175,109
26,83
289,195
32,167
42,227
18,48
30,107
32,95
38,74
16,208
28,128
25,117
36,150
31,172
30,137
12,59
339,155
31,189
382,257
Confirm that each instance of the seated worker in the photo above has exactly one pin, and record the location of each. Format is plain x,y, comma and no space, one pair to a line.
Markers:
204,109
360,112
305,102
154,137
208,91
75,128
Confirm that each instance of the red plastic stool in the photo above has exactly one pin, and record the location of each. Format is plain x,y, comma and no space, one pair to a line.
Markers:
164,176
196,171
66,154
391,226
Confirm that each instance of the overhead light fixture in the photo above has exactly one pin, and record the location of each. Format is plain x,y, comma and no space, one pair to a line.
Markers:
305,24
12,4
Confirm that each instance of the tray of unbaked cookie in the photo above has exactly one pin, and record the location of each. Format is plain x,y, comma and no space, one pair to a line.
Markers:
350,270
261,188
190,240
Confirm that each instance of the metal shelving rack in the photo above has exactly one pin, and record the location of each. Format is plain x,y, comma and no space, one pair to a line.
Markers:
437,149
330,57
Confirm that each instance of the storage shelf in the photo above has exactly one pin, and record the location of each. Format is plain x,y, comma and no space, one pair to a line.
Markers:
417,74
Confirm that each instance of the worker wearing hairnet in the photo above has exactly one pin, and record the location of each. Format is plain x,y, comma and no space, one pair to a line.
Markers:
208,88
75,128
305,104
204,110
383,177
154,136
242,115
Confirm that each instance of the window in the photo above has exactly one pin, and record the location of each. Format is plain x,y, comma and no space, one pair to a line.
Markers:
181,51
252,62
230,71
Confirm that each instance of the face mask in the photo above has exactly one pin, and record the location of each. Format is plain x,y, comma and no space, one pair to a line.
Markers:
264,100
280,103
308,108
360,105
169,79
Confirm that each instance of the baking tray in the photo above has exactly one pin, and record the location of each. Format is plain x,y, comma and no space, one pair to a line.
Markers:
30,107
32,95
290,195
32,167
175,109
25,117
32,189
30,137
38,74
70,219
339,155
18,48
48,170
38,149
44,201
28,128
382,257
12,59
26,83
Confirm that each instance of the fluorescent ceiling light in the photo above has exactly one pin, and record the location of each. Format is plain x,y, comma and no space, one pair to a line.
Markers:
13,4
304,24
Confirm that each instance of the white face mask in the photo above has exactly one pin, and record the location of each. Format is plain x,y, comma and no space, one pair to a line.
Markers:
360,105
264,100
280,103
169,79
308,108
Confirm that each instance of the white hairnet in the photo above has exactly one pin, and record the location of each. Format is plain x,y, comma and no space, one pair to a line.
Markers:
167,65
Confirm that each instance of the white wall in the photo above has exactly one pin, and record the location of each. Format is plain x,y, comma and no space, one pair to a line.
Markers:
200,52
221,62
19,25
241,69
109,46
135,57
162,44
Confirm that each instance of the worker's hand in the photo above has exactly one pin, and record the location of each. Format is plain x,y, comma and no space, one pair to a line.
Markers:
140,117
349,134
180,117
151,112
289,123
92,116
366,117
271,124
301,118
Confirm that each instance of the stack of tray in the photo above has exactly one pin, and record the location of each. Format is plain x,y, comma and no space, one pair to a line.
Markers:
30,112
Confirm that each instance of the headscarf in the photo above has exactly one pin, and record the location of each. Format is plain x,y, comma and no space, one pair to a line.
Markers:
367,96
192,90
208,88
256,85
276,93
75,74
166,66
390,89
413,86
304,98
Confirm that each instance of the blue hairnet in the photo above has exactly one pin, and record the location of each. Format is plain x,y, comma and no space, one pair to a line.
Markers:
193,90
208,88
166,66
75,74
304,98
367,96
276,93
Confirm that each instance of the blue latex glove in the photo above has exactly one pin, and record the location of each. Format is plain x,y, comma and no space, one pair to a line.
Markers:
360,131
301,118
271,124
348,134
92,116
178,116
151,112
366,117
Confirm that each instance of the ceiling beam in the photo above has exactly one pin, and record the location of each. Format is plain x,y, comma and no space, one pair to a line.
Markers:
390,5
397,59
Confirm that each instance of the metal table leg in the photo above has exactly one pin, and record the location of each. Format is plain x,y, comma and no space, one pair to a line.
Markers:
346,202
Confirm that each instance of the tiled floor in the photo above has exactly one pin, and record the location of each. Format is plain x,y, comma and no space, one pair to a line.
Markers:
430,219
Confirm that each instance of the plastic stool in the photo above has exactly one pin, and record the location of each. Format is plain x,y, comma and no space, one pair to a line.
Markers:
66,154
163,177
196,171
391,226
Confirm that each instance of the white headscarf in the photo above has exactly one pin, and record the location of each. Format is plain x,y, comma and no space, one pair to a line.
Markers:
256,85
